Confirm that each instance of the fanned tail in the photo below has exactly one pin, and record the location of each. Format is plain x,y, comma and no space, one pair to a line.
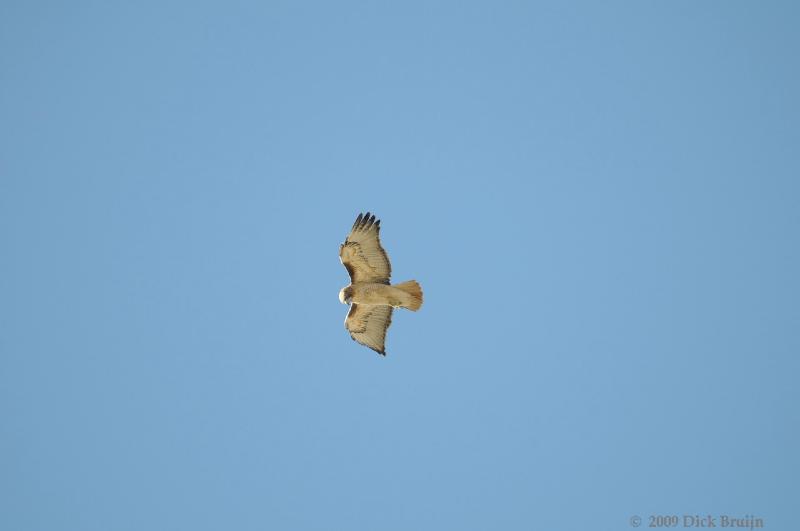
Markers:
413,300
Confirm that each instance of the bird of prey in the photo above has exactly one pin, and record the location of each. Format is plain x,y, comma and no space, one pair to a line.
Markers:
370,295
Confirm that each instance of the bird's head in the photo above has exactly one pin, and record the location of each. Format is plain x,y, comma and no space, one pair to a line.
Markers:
346,295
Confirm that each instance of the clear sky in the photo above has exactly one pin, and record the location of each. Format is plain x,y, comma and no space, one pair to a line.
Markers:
600,201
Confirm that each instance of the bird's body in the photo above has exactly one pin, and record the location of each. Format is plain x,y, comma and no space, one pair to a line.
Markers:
370,295
376,294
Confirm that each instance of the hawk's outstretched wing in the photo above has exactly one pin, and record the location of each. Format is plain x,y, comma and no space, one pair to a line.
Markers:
362,254
367,324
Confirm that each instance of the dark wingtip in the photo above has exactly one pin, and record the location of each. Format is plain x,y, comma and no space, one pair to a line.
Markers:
366,222
381,352
358,220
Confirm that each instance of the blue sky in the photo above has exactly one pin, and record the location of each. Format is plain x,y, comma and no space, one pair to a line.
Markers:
599,200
